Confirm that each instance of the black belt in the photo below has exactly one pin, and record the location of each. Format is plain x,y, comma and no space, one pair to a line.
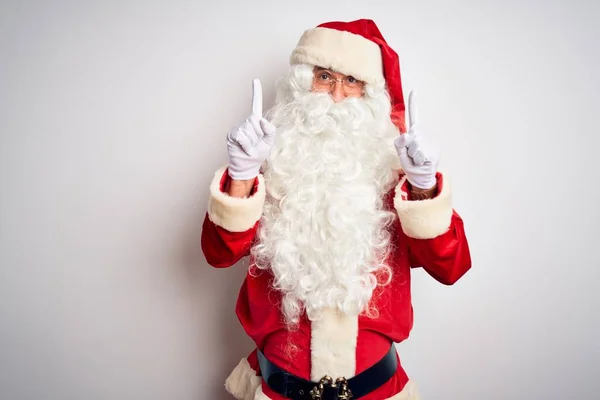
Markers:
293,387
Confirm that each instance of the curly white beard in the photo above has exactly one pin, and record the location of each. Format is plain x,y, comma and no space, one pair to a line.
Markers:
324,231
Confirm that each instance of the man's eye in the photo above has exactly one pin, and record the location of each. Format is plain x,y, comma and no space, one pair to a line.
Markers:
324,76
351,79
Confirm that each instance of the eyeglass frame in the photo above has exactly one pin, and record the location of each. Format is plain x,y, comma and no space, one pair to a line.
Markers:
318,69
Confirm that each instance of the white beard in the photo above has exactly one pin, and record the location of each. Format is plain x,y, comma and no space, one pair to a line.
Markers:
324,232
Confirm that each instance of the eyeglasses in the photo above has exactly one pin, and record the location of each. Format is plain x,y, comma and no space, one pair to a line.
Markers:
325,80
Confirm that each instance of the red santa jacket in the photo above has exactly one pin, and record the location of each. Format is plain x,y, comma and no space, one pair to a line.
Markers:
427,234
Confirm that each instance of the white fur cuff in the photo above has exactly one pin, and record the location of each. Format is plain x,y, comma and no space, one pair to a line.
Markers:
243,381
424,219
232,213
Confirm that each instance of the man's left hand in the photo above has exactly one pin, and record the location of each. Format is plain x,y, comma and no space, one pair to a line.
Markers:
418,157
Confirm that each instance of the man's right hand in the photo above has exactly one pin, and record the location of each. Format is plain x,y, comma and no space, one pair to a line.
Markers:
250,143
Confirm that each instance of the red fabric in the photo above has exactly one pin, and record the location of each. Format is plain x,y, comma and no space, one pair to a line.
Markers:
391,62
221,246
446,258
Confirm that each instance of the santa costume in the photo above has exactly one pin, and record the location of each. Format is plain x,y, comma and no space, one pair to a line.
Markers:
332,229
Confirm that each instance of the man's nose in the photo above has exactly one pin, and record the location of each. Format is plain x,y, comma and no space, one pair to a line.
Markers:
337,93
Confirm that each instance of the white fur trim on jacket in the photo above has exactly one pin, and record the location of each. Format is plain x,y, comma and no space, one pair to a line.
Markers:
424,219
410,392
260,395
243,381
233,213
333,345
344,52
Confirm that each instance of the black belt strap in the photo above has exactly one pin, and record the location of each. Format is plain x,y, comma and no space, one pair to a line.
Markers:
293,387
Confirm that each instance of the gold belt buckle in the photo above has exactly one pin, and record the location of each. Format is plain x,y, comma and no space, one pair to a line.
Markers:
341,384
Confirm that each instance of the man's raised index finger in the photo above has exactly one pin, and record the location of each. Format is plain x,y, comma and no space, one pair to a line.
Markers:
412,109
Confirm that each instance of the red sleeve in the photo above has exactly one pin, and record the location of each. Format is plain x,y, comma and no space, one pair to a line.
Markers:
446,257
434,232
230,224
222,248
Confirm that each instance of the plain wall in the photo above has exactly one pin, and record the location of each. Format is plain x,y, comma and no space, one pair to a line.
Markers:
113,117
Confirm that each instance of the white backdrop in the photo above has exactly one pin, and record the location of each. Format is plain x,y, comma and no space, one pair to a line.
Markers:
113,117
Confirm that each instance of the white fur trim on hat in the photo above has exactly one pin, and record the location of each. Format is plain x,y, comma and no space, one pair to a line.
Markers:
424,219
243,381
233,213
333,345
344,52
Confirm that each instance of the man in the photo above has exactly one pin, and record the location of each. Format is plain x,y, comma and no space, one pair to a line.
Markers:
346,203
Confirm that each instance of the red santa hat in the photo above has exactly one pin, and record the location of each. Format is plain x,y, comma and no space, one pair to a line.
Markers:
355,48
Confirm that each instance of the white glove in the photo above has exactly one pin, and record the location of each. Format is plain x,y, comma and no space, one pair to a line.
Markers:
419,159
250,144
